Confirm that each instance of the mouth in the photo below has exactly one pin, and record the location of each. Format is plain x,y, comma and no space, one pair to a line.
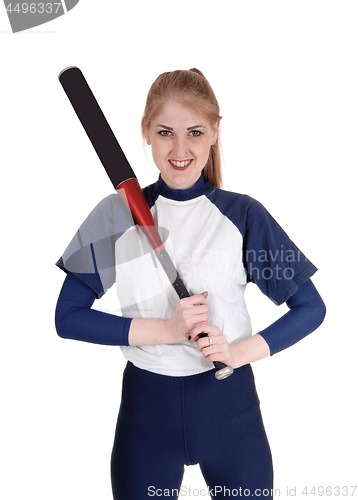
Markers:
180,165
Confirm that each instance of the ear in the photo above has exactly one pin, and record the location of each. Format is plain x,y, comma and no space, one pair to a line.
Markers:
216,131
146,136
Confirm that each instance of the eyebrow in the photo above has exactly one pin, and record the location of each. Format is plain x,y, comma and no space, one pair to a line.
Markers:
189,128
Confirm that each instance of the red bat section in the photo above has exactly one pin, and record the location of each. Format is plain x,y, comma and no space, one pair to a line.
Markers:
132,194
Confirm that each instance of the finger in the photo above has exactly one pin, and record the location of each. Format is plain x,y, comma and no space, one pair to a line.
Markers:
197,321
216,353
205,327
188,309
206,344
196,310
198,298
194,315
191,318
214,338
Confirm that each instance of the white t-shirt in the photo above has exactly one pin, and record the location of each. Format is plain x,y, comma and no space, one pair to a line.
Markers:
218,241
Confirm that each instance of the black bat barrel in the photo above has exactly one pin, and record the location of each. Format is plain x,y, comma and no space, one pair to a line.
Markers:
96,126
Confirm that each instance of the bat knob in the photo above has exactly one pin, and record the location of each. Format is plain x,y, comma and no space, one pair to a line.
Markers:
223,371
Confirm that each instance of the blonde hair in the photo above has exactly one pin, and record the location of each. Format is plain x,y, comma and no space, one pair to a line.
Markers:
193,91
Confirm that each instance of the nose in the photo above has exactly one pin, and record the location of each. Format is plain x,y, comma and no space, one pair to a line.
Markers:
180,148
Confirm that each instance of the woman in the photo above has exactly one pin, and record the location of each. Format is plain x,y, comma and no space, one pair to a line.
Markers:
173,410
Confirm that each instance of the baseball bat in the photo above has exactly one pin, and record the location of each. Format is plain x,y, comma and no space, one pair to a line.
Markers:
122,176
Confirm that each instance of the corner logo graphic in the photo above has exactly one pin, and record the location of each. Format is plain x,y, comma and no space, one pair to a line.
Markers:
25,15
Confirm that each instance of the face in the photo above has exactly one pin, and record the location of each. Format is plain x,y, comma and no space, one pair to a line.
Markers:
180,143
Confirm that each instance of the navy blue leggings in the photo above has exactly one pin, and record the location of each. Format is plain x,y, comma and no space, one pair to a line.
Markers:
166,422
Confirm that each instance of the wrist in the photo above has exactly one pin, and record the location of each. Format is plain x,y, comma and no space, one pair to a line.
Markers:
236,355
148,332
249,350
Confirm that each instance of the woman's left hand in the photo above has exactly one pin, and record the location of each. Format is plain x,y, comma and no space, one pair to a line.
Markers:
214,347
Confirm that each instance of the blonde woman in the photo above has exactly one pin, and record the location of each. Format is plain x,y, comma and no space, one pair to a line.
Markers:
173,410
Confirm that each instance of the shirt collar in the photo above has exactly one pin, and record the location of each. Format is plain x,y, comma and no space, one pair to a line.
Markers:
200,188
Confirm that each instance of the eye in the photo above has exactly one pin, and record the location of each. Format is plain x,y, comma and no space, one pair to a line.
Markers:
165,133
195,133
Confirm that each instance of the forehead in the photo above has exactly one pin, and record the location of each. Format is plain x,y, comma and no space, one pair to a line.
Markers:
173,113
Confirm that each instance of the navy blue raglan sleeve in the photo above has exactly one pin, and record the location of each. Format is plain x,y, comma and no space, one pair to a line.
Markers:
277,266
306,312
75,319
282,272
271,259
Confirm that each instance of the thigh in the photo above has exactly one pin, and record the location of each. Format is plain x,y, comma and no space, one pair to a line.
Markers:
242,465
147,456
228,438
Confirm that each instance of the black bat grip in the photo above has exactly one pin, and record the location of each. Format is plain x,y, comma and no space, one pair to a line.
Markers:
221,370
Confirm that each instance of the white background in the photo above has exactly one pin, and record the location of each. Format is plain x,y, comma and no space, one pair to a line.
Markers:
285,74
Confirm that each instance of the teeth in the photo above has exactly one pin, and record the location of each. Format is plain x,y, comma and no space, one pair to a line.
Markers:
180,163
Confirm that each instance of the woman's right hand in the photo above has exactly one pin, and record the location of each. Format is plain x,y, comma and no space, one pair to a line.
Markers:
189,312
